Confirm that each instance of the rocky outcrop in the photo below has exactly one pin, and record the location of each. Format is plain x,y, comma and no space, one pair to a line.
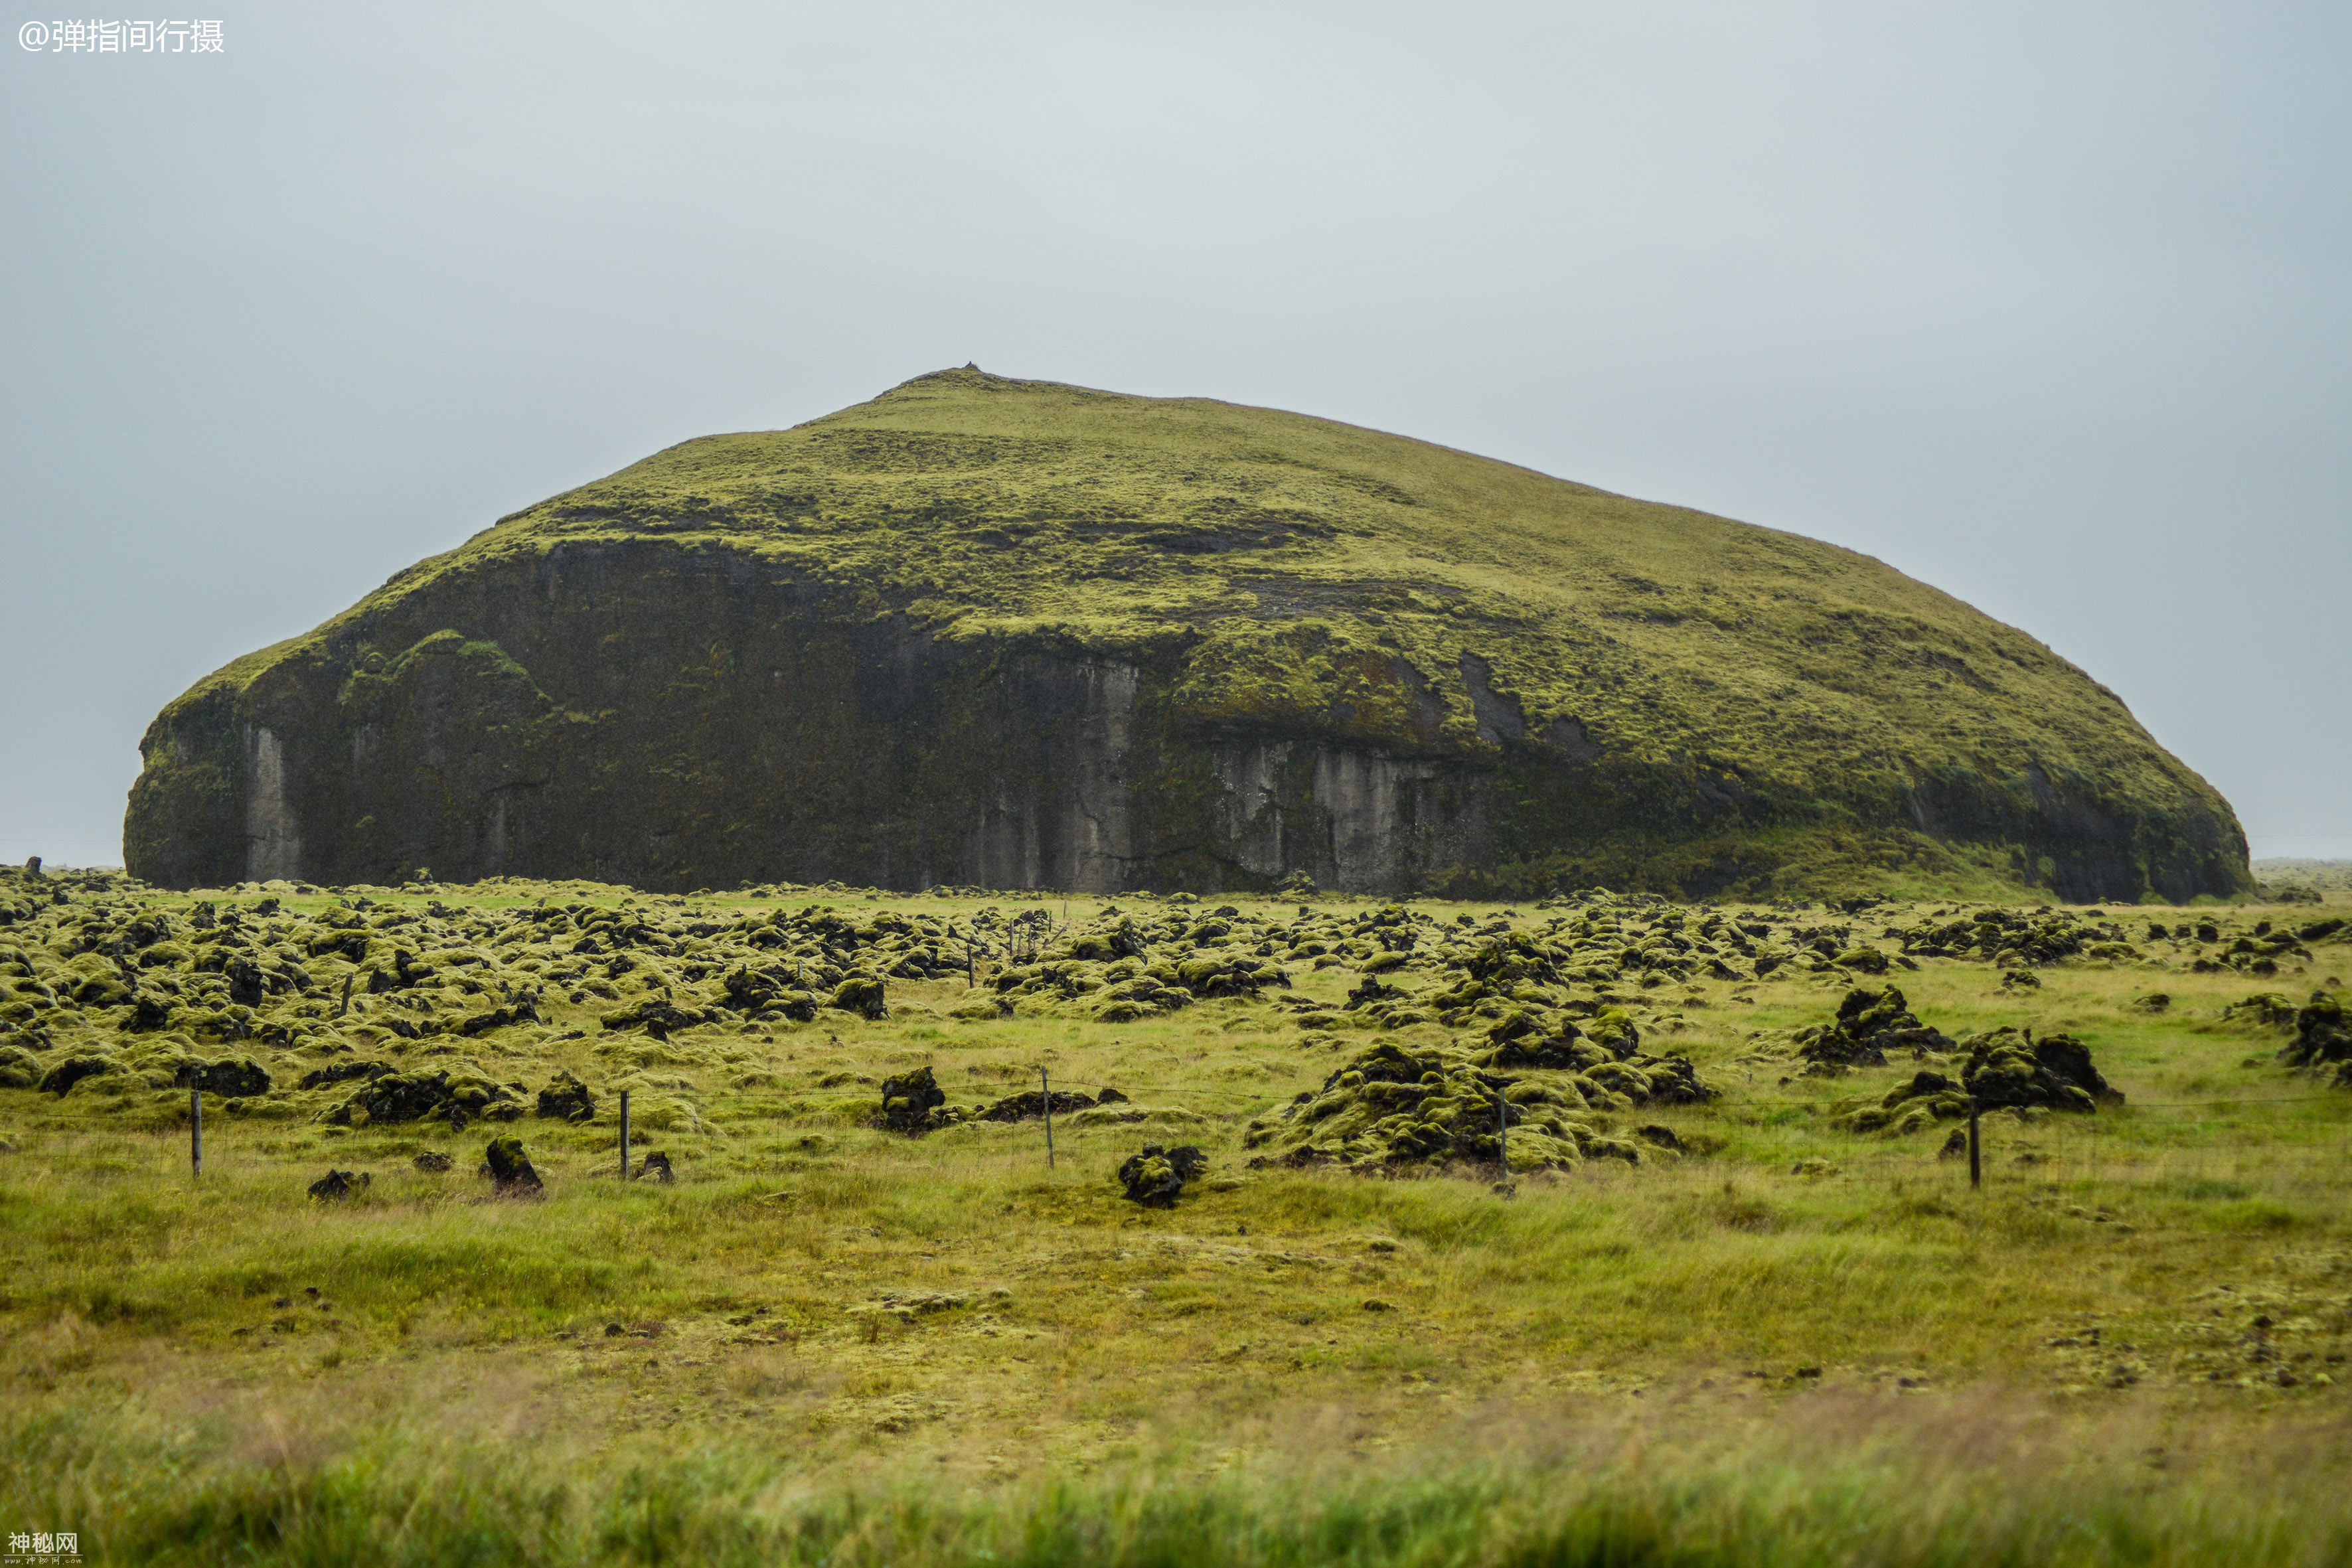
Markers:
899,648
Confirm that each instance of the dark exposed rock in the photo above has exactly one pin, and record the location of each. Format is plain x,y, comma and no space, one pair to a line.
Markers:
246,984
404,1096
657,1015
1031,1105
230,1078
1868,1024
432,1161
767,991
2011,1068
73,1069
2323,1037
861,994
342,1072
567,1099
511,1172
911,1103
522,1011
1154,1177
338,1184
462,1096
655,1167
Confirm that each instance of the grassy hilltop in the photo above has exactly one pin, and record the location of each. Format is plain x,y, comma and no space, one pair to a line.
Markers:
1722,1294
1021,634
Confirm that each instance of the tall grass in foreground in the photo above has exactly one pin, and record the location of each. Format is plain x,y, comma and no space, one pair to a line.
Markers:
1970,1480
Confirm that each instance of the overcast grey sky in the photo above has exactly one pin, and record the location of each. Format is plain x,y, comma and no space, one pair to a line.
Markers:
2043,303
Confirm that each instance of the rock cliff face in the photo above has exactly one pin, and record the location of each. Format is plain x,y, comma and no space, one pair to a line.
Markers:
1022,635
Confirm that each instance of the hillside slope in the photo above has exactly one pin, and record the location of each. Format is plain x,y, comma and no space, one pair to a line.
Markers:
1019,634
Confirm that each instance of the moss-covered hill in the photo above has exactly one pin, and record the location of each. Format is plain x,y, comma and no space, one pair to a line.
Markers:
1018,634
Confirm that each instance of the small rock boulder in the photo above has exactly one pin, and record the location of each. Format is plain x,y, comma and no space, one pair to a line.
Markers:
234,1078
655,1168
1031,1105
342,1072
911,1103
62,1078
2011,1068
861,994
337,1184
657,1015
1868,1024
567,1099
432,1163
510,1170
1154,1177
2321,1036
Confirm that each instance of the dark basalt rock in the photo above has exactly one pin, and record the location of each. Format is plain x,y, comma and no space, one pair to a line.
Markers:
767,992
342,1072
861,994
1044,706
1032,1106
567,1099
2322,1036
655,1167
910,1103
232,1078
404,1096
657,1015
511,1172
461,1096
73,1069
338,1184
2011,1068
246,984
1868,1024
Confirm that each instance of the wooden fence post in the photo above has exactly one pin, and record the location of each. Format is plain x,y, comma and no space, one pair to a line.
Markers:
624,1135
195,1132
1046,1084
1976,1162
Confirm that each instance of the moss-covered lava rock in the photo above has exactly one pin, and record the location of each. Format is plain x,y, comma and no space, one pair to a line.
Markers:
1017,634
1868,1024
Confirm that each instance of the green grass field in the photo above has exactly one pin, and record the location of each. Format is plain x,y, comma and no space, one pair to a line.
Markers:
829,1343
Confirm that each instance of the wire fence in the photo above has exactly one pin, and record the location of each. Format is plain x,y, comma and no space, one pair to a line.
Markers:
2221,1149
2275,1146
